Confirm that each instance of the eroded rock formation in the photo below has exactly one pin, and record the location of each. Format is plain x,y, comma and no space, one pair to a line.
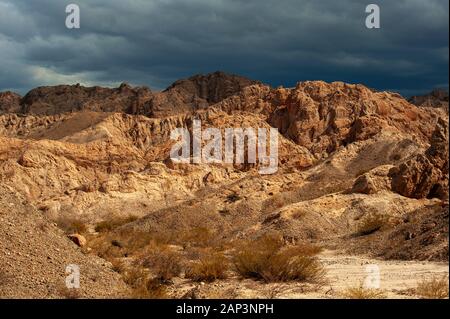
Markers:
425,175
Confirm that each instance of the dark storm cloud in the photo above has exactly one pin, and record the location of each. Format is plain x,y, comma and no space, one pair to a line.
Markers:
154,42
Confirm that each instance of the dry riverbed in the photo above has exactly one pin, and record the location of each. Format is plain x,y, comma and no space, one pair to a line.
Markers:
397,279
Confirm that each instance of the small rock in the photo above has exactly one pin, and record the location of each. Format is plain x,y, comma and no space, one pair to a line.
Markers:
78,239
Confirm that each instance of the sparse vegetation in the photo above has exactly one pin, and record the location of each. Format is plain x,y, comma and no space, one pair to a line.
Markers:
268,259
142,286
72,224
118,266
138,240
433,288
370,224
363,293
152,289
210,267
150,272
198,237
110,224
163,262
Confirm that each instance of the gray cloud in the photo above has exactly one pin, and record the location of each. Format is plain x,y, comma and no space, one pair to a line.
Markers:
279,42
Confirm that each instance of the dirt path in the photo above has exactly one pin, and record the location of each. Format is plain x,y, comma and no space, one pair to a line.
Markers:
395,277
396,280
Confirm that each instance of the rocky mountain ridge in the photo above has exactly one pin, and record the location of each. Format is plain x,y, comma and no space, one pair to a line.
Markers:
346,154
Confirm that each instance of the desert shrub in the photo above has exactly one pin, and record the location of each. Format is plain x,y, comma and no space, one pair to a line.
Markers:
151,289
118,266
110,224
102,246
137,240
370,224
268,259
294,263
71,224
134,276
142,286
363,293
210,267
162,261
433,288
251,258
198,237
125,243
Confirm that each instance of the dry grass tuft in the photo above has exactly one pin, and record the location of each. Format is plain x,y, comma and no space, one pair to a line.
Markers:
125,243
102,246
363,293
72,224
198,237
433,288
210,267
118,266
142,286
268,259
162,261
152,289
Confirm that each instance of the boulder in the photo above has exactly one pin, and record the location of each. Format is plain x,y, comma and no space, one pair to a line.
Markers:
78,239
373,181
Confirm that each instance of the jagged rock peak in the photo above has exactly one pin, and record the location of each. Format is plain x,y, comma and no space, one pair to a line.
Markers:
212,87
70,98
9,102
436,98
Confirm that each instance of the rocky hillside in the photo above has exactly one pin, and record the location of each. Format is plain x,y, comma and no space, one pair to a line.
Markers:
34,255
187,95
9,102
348,157
436,98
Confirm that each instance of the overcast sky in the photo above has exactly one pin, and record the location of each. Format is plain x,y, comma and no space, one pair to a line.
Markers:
279,42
